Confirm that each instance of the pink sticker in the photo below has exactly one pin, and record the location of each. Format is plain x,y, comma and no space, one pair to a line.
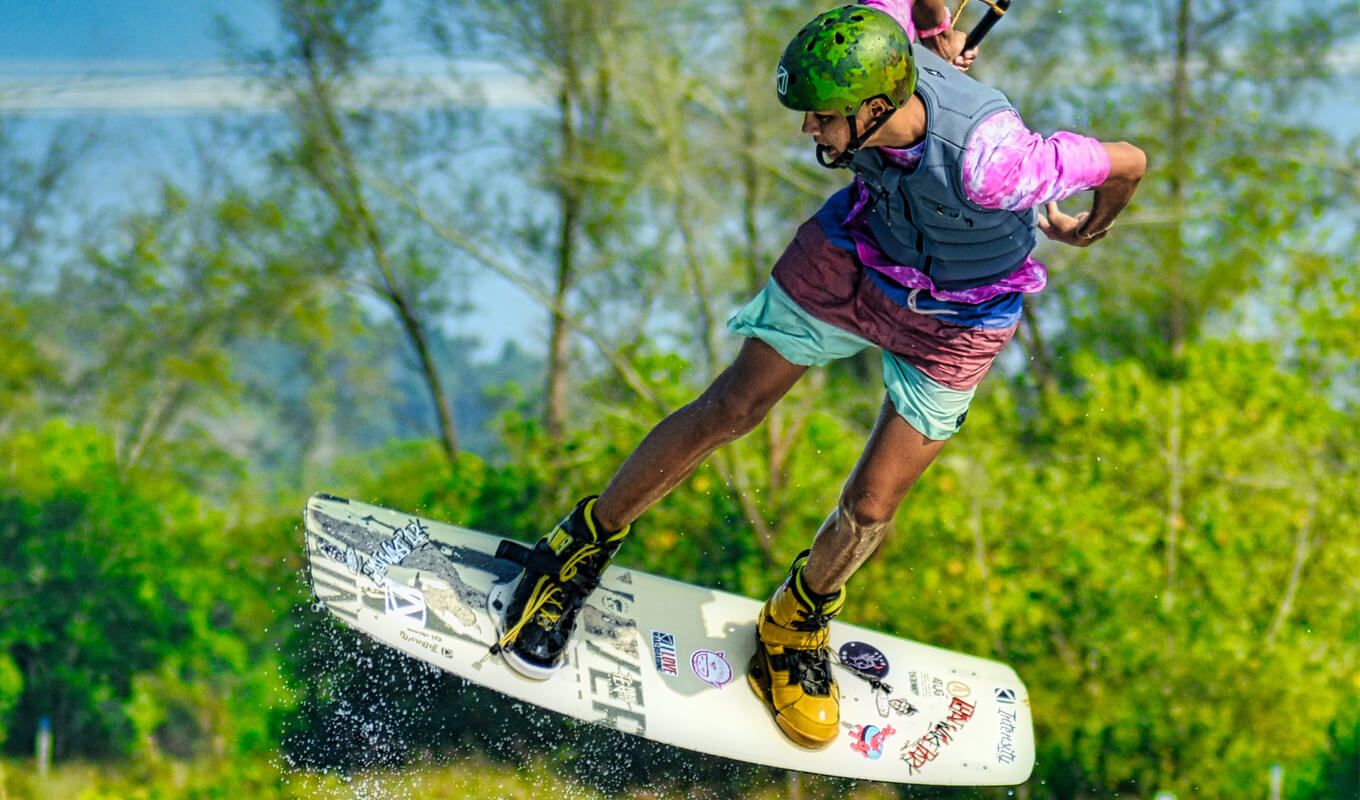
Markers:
711,667
868,740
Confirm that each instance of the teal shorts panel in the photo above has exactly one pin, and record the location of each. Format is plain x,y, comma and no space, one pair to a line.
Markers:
795,334
935,411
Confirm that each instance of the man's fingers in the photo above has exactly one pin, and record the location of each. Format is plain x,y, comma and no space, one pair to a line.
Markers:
1046,228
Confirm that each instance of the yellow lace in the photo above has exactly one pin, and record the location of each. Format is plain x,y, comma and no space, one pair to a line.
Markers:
569,566
549,594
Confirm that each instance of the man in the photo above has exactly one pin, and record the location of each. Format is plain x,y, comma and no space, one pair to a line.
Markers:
925,255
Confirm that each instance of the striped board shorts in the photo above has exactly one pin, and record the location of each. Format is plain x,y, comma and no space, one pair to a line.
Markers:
823,304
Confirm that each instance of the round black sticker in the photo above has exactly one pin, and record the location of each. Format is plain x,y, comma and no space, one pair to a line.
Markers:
864,660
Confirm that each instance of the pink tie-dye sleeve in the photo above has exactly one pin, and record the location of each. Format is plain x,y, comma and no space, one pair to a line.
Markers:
900,11
1009,166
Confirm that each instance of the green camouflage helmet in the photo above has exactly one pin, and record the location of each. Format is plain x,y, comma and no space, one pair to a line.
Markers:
844,57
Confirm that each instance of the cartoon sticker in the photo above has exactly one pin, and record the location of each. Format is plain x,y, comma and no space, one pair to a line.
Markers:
711,667
868,740
864,660
881,700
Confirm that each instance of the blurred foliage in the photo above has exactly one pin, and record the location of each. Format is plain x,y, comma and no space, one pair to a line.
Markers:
467,778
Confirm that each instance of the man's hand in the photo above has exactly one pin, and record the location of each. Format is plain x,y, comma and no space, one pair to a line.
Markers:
1127,165
1064,228
949,46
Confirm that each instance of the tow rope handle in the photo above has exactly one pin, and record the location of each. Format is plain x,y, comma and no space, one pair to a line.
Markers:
995,11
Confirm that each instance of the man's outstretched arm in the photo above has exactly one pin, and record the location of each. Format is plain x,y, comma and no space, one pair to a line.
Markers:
1127,166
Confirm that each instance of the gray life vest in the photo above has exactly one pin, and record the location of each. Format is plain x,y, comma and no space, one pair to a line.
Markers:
923,218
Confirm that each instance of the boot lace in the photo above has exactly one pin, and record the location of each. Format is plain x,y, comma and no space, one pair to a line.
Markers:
569,566
811,621
548,602
811,668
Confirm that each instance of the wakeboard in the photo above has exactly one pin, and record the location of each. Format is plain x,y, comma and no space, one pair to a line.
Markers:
666,660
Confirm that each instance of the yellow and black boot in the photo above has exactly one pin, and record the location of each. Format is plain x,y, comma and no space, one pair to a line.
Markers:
535,612
791,669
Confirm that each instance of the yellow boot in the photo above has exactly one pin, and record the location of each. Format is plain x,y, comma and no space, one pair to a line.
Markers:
791,668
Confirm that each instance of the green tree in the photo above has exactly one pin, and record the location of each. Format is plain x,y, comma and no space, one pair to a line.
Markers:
82,614
23,369
1246,179
150,320
1040,544
363,161
577,53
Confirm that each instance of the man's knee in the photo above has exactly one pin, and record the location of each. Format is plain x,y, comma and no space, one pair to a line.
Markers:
868,512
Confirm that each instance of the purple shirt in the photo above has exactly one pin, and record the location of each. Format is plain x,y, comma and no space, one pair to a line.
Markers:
1006,165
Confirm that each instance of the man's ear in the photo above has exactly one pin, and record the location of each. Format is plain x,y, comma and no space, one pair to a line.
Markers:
878,106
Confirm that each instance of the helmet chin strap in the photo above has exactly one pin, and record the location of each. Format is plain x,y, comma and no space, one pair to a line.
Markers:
857,141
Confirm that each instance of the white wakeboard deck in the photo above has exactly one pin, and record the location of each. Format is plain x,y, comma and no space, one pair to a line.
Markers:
667,660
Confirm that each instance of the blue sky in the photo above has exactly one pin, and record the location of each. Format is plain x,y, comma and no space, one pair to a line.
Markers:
119,30
165,56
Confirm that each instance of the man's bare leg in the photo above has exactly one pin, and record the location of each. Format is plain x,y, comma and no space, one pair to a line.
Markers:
536,612
894,458
732,406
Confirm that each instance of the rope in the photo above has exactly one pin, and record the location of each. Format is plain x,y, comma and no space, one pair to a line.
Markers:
999,9
954,19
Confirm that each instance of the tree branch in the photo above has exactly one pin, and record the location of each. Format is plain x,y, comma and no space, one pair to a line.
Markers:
1302,549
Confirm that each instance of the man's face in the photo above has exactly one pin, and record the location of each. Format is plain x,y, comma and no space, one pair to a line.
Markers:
831,131
828,130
